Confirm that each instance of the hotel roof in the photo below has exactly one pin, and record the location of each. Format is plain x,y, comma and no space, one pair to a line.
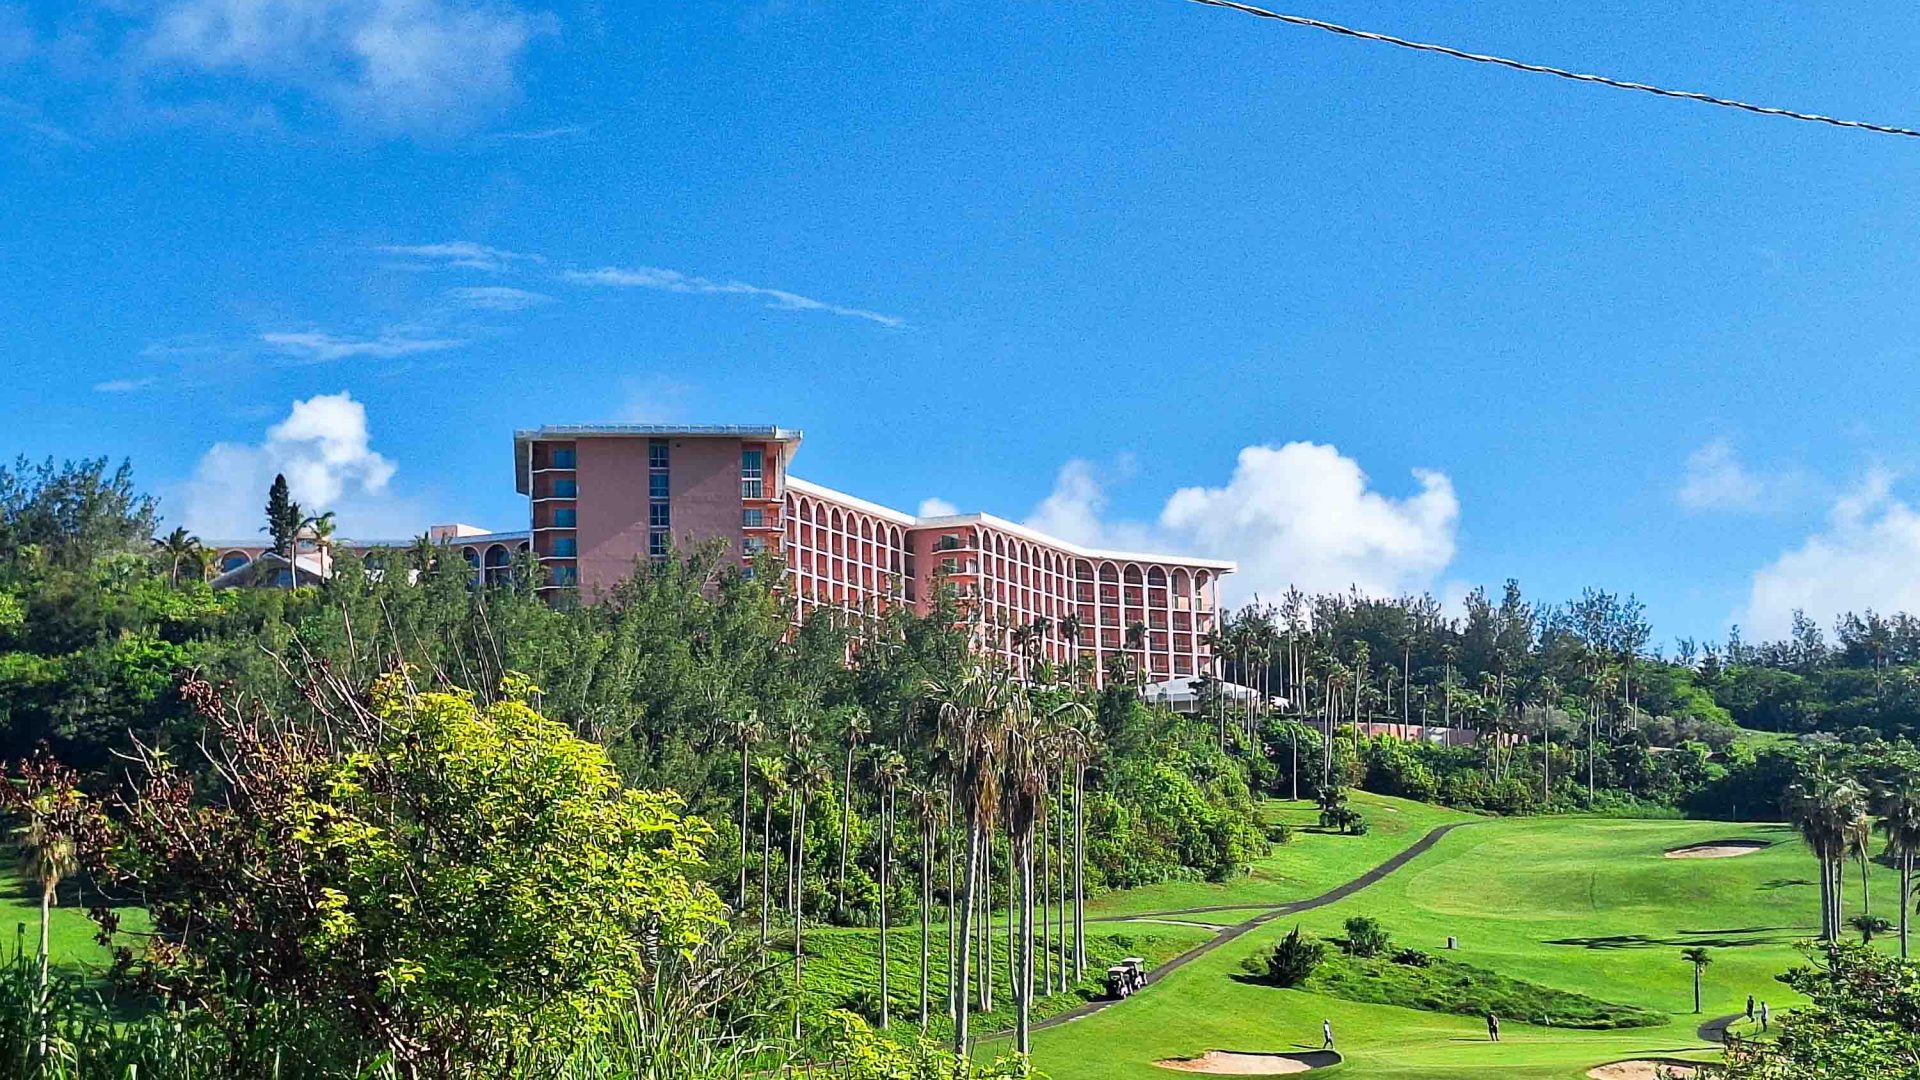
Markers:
523,482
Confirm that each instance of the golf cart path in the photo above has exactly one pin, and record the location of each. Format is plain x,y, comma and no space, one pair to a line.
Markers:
1281,911
1715,1031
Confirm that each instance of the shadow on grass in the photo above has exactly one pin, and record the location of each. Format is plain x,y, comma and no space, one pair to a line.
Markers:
1786,883
1717,939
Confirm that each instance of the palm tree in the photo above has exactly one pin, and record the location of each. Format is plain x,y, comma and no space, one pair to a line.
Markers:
1070,628
773,782
1869,925
1899,822
1700,958
1023,784
177,547
1075,721
1549,697
319,529
926,812
1137,642
889,771
854,726
747,730
1829,813
810,774
971,708
47,855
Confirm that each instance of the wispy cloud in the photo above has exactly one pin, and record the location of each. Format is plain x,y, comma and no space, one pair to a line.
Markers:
318,346
464,254
650,277
30,118
1716,479
497,298
123,386
542,134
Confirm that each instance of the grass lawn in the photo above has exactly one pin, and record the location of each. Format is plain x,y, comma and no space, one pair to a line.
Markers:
1314,862
1580,904
70,934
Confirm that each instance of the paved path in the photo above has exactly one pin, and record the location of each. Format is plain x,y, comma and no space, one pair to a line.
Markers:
1715,1031
1229,933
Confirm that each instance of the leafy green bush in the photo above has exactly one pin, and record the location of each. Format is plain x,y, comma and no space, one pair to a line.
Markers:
1366,937
1412,958
1294,960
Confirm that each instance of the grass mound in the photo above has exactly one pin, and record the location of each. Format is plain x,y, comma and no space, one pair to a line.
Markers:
1451,986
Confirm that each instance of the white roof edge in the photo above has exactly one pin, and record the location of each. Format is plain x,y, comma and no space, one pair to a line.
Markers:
1225,566
821,491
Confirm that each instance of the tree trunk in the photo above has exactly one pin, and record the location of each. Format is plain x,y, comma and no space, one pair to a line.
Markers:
1906,898
986,925
1060,883
846,820
1046,865
961,1000
742,906
926,913
799,900
1696,989
1023,981
766,867
46,904
886,842
953,929
1079,873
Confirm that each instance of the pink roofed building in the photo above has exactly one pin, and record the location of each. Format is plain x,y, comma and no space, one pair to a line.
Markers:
603,496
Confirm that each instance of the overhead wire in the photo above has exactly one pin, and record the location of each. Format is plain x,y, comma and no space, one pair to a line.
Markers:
1558,73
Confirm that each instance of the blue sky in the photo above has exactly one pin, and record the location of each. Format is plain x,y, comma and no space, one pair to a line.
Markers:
1393,319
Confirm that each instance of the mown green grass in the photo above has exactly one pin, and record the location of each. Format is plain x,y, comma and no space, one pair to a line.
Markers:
1312,863
842,970
70,933
1453,986
1584,905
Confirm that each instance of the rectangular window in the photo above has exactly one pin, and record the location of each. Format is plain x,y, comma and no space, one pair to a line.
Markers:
657,454
657,545
563,575
753,546
565,517
657,485
565,547
658,515
753,518
566,489
751,486
562,459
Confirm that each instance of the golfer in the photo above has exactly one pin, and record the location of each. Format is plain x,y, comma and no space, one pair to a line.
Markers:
1493,1028
1764,1016
1326,1034
1749,1008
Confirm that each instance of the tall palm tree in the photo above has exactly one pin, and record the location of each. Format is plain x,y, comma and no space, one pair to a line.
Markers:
810,774
1074,720
971,709
47,855
925,806
1899,822
1137,643
1700,958
747,730
1070,627
177,547
854,726
1549,697
773,783
319,529
889,772
1023,786
1829,812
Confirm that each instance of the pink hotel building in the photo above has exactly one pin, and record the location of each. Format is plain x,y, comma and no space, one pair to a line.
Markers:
604,495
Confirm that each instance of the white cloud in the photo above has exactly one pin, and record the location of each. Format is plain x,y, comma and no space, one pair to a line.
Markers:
393,63
123,386
497,298
650,277
1716,479
313,345
325,450
1864,557
1301,515
462,253
935,507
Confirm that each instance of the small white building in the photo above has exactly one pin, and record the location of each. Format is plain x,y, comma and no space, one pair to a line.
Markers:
1183,695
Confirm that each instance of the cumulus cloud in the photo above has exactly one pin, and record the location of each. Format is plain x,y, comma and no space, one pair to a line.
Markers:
464,254
1302,514
1716,479
1862,557
317,346
394,63
651,277
497,298
936,507
325,450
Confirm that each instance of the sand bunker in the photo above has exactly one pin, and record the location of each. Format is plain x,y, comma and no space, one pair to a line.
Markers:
1719,849
1230,1063
1646,1069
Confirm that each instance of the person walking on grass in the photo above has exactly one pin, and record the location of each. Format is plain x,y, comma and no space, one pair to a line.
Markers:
1764,1017
1493,1028
1749,1008
1326,1034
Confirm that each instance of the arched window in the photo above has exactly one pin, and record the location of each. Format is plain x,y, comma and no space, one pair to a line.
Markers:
234,560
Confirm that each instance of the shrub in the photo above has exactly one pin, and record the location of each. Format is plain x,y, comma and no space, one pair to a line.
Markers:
1412,958
1294,959
1279,832
1366,937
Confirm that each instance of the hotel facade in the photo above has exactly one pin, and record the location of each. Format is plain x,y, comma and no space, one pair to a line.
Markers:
601,497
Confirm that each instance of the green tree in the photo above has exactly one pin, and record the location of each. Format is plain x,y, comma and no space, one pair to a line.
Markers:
176,547
1701,959
283,518
1899,821
443,881
1861,1022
